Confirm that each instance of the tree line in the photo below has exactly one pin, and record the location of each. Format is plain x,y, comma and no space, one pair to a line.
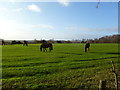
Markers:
105,39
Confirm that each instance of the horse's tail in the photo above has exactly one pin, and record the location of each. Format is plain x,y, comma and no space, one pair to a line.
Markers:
51,46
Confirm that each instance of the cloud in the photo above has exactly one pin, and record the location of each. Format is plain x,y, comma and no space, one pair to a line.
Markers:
93,30
17,10
71,28
12,29
13,1
3,9
8,28
102,30
64,2
45,26
34,8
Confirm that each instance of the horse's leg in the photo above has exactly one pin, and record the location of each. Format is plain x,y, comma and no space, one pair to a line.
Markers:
41,48
45,49
88,49
50,49
26,44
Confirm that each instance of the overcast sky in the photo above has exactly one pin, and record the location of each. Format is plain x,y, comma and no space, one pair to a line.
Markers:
57,20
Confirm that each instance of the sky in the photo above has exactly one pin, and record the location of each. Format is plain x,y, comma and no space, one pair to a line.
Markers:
57,20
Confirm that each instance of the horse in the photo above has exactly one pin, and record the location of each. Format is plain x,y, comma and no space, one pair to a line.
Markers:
25,43
3,42
46,45
87,46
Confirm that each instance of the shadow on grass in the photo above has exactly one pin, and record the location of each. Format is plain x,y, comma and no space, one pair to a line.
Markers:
62,57
70,53
30,73
115,53
82,67
30,64
96,59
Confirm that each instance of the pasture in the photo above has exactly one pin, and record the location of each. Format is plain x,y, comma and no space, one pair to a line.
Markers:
67,66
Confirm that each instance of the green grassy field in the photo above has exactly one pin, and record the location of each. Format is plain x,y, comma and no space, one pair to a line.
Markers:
67,66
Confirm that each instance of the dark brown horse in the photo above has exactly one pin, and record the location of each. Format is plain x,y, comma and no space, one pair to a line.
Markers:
25,43
3,42
87,46
44,47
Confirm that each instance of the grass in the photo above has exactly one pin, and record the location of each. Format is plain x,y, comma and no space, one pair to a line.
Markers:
67,66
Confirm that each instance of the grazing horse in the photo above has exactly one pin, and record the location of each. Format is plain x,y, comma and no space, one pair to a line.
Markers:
46,45
25,43
87,46
3,42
